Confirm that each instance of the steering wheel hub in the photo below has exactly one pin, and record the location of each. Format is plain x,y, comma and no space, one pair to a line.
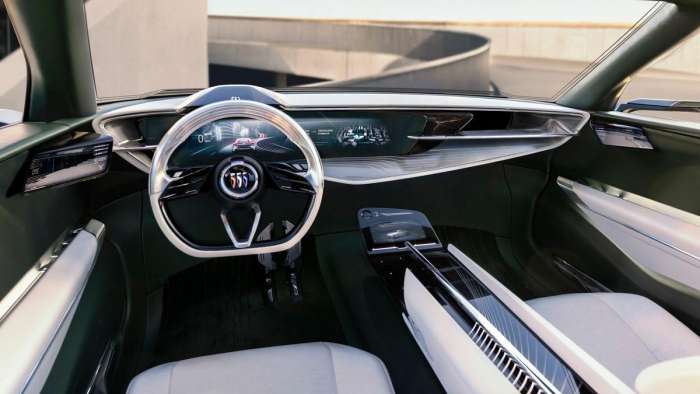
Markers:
239,179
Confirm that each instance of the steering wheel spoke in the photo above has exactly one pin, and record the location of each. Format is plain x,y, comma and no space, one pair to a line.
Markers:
247,241
291,177
186,182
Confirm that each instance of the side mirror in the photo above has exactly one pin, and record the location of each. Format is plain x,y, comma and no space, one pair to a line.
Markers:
8,117
659,105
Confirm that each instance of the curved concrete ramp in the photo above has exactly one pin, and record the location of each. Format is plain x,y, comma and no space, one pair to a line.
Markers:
353,55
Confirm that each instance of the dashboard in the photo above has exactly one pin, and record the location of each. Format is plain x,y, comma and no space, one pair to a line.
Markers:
224,158
361,137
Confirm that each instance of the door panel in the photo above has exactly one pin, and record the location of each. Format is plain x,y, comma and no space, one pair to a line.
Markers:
39,309
660,239
636,231
29,224
62,297
668,174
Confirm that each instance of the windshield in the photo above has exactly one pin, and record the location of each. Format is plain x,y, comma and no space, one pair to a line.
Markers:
522,48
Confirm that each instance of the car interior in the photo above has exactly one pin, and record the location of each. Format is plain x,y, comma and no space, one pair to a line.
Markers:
324,239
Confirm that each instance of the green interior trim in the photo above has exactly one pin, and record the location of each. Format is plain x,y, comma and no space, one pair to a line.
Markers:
54,38
20,137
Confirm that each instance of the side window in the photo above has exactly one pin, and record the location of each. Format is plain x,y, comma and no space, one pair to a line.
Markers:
669,88
13,72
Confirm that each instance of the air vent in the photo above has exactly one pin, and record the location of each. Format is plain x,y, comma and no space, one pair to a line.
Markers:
515,372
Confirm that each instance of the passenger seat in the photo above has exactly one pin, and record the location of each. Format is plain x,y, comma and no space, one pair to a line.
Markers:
308,368
626,333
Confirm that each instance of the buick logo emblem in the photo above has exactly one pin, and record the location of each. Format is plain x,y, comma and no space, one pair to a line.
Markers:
239,180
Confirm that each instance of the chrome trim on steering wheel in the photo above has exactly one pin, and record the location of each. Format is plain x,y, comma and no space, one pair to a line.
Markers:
245,243
159,179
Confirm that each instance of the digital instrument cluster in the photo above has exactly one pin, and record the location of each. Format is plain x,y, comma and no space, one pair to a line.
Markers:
333,135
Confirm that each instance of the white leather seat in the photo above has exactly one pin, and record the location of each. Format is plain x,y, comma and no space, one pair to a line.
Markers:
624,332
308,368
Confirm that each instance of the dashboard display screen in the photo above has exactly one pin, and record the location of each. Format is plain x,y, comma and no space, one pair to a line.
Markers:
223,138
335,134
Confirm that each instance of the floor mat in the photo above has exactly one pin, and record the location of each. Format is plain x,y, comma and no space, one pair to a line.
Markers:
218,306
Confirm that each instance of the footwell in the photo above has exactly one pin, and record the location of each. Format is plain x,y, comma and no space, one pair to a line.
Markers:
219,306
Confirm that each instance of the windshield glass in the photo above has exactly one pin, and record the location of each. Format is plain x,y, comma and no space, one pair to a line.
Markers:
523,48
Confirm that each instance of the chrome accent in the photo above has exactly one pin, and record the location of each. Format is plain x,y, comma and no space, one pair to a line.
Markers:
490,135
584,280
253,228
397,249
627,136
183,128
501,340
225,185
31,277
97,382
137,148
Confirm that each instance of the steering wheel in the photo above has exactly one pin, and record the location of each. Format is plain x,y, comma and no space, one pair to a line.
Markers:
238,183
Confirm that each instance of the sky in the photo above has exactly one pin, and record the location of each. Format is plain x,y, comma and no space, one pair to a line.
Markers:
571,11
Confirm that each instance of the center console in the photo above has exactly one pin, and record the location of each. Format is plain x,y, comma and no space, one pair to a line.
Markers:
405,250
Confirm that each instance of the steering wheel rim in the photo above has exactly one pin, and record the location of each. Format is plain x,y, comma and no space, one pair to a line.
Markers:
179,133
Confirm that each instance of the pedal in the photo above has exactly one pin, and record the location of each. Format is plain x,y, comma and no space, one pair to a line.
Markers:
267,261
295,291
269,289
292,262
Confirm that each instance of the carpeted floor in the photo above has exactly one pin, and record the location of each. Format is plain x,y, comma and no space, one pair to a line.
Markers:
218,306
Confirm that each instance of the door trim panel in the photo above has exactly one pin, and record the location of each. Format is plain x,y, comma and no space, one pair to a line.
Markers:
33,329
662,240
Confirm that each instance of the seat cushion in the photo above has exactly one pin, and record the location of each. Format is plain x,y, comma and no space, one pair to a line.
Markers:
304,368
624,332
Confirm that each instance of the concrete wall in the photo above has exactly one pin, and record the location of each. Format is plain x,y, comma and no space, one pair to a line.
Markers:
349,54
137,46
575,43
13,81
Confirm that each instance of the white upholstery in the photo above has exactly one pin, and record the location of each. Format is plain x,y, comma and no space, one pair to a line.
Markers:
679,376
304,368
458,362
624,332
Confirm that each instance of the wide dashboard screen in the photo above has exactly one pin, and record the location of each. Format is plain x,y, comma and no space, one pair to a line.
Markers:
335,134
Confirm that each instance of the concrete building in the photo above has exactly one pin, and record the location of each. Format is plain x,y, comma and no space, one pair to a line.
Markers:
137,46
343,54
